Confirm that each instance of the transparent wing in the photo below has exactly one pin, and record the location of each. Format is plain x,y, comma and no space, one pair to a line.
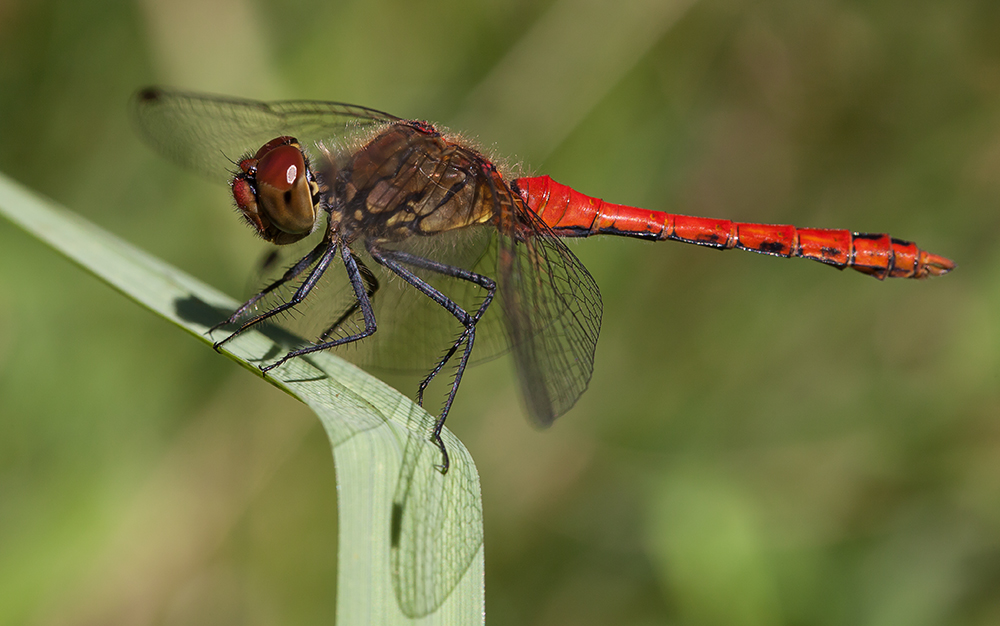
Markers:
552,309
209,134
436,524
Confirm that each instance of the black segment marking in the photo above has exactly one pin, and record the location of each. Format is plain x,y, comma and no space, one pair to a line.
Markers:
772,247
623,233
700,242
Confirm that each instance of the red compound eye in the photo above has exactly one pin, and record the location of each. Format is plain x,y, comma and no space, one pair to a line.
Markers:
274,192
281,168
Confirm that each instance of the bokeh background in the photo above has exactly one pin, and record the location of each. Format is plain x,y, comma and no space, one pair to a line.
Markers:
763,442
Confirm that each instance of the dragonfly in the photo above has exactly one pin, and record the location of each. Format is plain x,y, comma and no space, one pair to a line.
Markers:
430,248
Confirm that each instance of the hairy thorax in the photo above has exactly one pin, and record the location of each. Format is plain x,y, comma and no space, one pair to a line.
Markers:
410,180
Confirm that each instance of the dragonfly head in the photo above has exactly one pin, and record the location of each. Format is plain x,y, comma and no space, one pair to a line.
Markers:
276,192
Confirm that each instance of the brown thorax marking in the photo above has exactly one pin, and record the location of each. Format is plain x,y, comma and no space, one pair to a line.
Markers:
410,180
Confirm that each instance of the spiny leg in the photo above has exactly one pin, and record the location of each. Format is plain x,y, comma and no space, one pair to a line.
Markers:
456,272
354,275
393,260
371,288
290,274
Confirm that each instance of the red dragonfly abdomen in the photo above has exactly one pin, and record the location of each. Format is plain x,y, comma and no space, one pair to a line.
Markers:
572,214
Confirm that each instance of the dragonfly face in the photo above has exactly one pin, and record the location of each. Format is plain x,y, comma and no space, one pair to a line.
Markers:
276,191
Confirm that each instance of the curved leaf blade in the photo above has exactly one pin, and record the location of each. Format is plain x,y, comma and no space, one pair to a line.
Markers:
410,544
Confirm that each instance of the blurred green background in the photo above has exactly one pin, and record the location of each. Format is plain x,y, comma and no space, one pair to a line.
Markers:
763,442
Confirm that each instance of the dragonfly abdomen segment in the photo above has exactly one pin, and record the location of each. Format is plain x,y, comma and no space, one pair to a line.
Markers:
572,214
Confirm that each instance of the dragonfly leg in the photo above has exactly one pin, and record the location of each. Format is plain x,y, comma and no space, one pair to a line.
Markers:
371,288
394,261
290,274
364,303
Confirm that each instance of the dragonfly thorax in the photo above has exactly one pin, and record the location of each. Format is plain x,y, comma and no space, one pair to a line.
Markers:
409,180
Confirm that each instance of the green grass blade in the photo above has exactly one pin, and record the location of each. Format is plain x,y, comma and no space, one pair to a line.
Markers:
410,544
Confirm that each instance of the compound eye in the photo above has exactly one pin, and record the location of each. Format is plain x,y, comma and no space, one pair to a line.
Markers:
283,191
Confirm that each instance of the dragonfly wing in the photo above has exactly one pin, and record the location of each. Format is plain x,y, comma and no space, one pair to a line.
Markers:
437,523
209,134
552,308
